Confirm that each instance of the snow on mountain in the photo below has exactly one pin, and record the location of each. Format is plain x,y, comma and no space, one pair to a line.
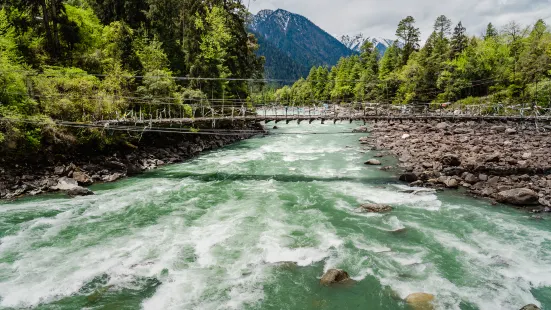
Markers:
355,42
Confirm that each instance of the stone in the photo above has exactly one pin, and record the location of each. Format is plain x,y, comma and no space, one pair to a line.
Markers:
79,191
115,165
373,208
334,276
498,128
510,131
449,171
493,158
420,301
385,168
442,125
408,177
65,184
405,136
373,162
518,196
450,160
111,178
451,183
59,170
82,178
482,177
526,155
530,307
470,178
360,129
275,127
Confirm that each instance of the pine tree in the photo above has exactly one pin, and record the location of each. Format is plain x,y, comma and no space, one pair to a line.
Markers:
442,26
459,40
409,37
491,32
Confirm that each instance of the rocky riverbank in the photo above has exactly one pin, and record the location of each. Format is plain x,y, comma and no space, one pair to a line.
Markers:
506,163
75,169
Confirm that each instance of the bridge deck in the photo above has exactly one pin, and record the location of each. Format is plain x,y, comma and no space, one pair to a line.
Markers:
308,118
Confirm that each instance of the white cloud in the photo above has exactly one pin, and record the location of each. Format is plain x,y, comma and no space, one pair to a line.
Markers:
379,18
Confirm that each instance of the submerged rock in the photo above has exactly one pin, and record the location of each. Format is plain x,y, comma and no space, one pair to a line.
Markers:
373,207
408,177
79,191
373,162
519,197
334,276
530,307
420,301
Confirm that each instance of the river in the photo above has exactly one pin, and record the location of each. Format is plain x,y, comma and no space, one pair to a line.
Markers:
212,233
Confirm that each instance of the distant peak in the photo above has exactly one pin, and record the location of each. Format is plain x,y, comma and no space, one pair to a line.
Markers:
265,12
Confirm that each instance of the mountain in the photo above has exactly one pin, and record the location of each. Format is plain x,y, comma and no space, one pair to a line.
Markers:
281,33
355,43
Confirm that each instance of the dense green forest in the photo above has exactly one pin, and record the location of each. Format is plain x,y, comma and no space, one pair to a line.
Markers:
508,66
84,60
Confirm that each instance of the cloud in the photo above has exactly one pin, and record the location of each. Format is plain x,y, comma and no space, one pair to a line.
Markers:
376,18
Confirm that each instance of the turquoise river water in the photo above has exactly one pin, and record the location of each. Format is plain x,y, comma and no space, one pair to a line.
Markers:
212,233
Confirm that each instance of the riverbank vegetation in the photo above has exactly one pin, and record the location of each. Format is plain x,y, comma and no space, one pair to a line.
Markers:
508,66
85,60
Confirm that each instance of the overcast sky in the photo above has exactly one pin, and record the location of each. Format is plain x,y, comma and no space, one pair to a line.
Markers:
379,18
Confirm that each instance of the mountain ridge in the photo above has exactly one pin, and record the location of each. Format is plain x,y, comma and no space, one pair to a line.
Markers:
295,36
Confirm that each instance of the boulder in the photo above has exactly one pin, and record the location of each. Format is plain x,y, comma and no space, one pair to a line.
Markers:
442,125
530,307
115,165
420,301
385,168
450,160
373,162
275,127
451,183
373,208
334,276
408,177
510,131
79,191
59,170
82,178
518,196
360,129
470,178
111,178
65,184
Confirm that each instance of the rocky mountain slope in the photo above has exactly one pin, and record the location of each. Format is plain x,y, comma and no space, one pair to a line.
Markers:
304,43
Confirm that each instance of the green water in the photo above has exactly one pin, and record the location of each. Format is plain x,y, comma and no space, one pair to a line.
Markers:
211,233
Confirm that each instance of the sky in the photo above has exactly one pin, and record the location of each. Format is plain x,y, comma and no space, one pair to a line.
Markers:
379,18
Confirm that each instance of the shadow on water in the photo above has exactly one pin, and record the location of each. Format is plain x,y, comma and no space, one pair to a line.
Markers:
224,176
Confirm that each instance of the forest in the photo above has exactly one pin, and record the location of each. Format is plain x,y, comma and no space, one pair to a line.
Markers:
87,60
508,66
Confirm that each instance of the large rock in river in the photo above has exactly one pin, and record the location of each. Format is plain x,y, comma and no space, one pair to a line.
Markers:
373,162
79,191
334,276
373,207
420,301
409,177
519,197
530,307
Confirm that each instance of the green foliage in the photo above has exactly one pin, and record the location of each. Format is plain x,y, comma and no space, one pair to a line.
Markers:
510,67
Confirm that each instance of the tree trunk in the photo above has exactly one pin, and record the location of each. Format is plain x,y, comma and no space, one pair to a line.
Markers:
46,23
